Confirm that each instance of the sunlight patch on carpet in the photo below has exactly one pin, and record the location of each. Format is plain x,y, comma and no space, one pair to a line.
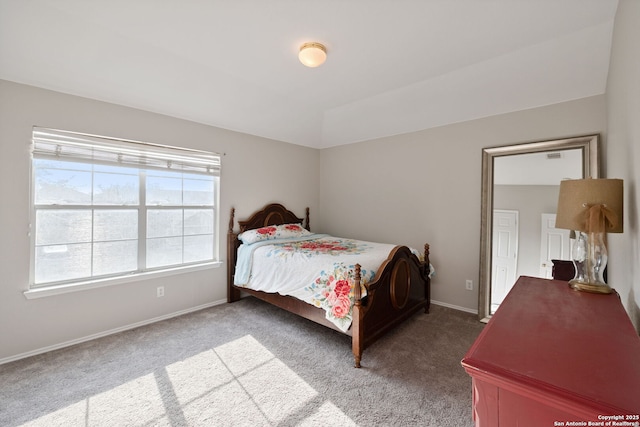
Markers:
237,383
325,413
135,402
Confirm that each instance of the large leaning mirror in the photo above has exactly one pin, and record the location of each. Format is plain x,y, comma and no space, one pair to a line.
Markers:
520,186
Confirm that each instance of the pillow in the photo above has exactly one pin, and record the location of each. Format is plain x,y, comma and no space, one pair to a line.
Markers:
271,232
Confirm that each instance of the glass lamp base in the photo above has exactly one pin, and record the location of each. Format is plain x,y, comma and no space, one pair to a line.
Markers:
590,259
596,288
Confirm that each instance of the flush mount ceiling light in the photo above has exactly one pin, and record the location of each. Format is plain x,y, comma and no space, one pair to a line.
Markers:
312,54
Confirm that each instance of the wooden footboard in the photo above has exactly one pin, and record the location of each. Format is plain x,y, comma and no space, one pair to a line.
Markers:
400,288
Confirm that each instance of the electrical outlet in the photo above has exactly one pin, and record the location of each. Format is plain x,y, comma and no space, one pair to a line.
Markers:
160,291
469,285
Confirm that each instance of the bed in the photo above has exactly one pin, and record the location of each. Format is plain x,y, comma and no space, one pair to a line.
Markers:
381,297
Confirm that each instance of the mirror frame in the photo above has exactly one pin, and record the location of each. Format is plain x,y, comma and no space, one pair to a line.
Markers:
589,145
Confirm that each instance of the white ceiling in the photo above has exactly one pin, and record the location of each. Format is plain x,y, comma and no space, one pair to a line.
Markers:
393,66
546,168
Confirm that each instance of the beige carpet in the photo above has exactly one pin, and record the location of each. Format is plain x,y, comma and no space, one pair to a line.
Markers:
248,364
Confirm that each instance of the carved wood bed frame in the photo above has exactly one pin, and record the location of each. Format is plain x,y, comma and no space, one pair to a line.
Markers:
400,288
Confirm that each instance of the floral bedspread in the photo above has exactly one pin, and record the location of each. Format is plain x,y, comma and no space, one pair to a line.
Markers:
318,269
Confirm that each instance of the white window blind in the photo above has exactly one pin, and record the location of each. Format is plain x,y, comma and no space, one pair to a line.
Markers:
95,149
107,208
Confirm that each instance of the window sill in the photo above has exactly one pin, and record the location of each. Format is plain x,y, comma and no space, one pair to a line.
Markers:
47,291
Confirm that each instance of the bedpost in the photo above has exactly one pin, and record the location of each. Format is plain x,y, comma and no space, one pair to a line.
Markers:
233,212
307,219
426,255
427,273
357,289
356,317
233,294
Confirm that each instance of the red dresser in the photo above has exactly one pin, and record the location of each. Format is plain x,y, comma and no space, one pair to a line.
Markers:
552,356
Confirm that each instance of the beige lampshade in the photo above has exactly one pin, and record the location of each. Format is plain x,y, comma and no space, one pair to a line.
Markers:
578,195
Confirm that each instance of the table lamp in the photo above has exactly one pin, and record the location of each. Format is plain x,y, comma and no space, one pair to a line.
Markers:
590,207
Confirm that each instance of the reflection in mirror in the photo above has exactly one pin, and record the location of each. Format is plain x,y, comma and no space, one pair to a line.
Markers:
519,198
525,198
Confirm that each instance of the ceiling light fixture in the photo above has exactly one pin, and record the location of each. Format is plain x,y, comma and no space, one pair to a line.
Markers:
312,54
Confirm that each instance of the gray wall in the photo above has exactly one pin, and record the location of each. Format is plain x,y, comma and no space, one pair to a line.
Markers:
425,186
531,201
623,152
254,171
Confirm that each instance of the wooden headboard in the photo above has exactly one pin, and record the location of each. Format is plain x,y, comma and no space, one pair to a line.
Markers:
272,214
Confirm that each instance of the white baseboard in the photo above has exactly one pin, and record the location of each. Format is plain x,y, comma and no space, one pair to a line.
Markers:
154,320
109,332
455,307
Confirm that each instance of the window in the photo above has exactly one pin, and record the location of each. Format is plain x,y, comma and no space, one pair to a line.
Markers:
106,208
